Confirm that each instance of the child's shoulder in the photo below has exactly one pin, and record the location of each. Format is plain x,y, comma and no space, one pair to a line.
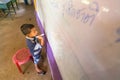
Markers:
29,41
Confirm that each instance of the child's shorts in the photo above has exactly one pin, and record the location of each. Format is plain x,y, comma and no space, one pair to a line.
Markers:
36,59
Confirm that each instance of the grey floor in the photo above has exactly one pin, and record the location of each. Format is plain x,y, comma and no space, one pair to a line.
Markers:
11,40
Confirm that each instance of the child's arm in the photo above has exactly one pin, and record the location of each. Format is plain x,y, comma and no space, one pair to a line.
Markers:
41,40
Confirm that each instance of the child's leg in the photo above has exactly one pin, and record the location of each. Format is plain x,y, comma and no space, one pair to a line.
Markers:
39,71
36,62
37,68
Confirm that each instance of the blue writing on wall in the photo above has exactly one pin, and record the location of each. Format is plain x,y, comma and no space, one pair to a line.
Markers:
85,15
118,33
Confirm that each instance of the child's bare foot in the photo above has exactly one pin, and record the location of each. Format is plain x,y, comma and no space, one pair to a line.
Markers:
39,71
42,72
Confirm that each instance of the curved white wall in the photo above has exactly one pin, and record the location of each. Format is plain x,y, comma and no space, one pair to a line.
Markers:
84,36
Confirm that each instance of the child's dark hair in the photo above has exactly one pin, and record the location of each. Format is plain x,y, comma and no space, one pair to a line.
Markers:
26,28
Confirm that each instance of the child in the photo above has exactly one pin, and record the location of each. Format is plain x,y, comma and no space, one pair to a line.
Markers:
34,43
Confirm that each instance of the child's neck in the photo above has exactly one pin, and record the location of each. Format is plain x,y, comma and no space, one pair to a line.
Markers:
31,36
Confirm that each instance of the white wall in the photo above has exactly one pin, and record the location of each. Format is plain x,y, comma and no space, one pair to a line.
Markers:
84,36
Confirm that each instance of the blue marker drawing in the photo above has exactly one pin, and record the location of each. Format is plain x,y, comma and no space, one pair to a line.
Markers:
118,33
86,15
94,6
78,13
118,40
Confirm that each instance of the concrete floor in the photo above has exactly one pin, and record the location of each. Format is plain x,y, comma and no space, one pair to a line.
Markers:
11,40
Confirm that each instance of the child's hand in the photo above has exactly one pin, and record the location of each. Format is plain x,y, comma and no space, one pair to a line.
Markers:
41,40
